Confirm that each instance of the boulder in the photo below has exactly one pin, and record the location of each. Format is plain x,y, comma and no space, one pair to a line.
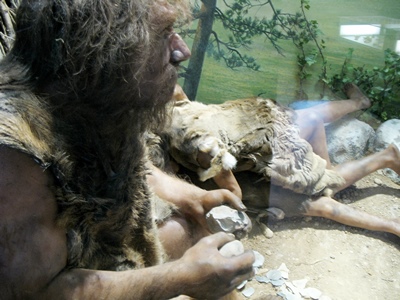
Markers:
386,134
348,139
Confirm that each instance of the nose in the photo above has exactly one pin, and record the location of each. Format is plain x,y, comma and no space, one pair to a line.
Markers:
179,50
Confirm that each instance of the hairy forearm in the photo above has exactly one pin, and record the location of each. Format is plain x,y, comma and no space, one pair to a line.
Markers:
158,282
170,188
191,199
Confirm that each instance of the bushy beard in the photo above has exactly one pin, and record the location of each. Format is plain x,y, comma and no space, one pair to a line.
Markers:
153,94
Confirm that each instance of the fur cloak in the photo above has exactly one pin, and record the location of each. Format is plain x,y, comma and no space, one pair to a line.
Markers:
110,233
262,137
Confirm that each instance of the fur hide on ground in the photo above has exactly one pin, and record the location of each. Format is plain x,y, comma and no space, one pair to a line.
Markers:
259,133
256,138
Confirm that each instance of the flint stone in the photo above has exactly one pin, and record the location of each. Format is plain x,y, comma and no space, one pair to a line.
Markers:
223,218
248,292
231,249
259,259
274,275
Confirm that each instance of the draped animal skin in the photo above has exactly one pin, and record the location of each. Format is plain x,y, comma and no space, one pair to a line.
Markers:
261,136
110,231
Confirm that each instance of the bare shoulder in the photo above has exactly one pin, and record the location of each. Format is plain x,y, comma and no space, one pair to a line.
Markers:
24,185
32,247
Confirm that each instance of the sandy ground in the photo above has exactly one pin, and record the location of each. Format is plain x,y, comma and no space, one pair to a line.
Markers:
342,262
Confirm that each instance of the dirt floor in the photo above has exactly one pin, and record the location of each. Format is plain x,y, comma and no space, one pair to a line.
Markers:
342,262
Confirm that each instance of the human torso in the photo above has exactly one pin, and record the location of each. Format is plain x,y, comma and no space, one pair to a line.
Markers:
99,231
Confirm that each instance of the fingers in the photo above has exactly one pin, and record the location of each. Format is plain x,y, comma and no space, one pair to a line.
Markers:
244,262
242,266
219,197
223,273
226,180
218,239
240,278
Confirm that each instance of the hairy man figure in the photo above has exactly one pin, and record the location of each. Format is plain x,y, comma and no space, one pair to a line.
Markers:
81,85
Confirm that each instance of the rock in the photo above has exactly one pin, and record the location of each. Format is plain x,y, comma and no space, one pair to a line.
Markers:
268,233
248,292
276,213
310,292
284,271
262,279
242,285
278,282
348,139
231,249
223,218
259,259
300,284
386,134
290,292
274,275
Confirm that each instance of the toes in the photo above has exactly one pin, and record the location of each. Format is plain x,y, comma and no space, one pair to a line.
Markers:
353,92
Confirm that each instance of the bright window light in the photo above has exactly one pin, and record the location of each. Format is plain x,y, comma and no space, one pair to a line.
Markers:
359,30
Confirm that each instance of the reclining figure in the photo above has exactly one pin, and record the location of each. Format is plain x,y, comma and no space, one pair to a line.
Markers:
265,144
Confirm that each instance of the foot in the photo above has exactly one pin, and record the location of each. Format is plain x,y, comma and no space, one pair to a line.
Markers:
353,92
394,152
396,226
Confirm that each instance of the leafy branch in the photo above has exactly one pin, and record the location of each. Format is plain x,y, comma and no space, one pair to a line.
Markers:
380,83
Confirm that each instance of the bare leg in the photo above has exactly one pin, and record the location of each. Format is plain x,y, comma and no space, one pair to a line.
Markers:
353,171
334,110
312,129
328,208
311,121
177,235
232,296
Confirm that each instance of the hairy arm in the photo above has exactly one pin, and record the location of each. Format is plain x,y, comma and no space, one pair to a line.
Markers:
190,199
202,273
33,251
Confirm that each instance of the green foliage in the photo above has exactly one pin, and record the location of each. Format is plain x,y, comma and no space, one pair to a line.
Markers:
304,34
381,83
241,28
236,29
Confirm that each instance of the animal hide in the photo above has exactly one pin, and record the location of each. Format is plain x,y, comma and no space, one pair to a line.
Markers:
259,133
110,233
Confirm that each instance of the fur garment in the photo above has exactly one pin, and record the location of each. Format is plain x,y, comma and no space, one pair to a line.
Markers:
115,232
259,133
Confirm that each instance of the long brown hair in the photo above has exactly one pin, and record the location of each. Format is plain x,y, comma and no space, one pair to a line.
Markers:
96,62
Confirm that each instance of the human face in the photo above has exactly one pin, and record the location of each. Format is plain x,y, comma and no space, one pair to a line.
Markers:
169,50
164,17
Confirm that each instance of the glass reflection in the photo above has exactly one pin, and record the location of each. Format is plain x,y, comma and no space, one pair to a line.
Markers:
377,32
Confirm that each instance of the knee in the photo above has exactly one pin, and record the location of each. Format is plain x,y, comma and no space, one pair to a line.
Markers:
321,207
175,237
314,119
178,234
309,123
